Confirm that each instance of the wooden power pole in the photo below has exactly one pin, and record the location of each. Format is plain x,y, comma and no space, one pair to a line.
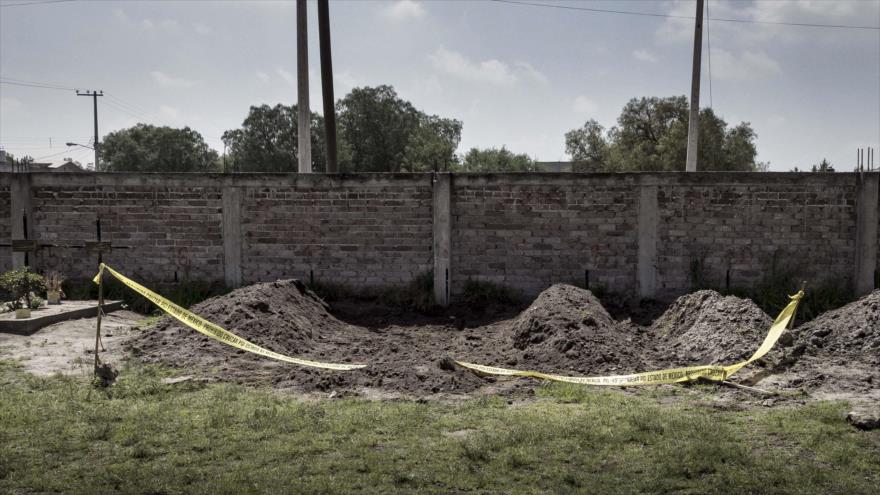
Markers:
327,85
304,118
694,119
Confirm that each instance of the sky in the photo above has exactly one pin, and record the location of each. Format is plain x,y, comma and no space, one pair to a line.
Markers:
516,75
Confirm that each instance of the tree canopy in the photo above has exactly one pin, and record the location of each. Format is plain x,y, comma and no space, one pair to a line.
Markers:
385,133
268,140
651,135
495,160
147,148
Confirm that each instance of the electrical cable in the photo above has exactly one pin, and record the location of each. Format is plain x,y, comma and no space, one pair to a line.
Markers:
673,16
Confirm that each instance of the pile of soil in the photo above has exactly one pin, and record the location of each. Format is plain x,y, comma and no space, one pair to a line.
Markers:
567,329
283,316
286,317
708,328
836,355
850,333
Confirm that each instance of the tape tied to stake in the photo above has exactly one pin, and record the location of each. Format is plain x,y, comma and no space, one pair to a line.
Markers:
672,375
217,332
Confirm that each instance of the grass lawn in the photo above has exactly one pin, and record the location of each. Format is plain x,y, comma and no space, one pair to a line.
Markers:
140,436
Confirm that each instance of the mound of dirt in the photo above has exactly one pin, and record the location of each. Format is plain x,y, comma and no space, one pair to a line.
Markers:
565,330
286,317
836,355
568,328
708,328
851,333
283,316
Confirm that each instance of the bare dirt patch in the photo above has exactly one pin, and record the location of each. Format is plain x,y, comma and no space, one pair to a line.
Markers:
836,355
565,330
68,347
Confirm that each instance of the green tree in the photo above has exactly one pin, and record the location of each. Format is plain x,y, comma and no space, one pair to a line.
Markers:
385,133
147,148
588,148
651,135
268,141
495,160
432,146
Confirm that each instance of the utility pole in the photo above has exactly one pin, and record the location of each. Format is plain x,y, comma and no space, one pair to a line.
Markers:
694,119
304,120
327,85
94,95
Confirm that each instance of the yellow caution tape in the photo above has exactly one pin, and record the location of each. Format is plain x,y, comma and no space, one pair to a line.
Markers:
673,375
204,326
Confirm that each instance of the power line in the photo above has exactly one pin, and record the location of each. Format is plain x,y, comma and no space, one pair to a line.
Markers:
41,86
124,103
673,16
117,103
41,2
590,9
52,155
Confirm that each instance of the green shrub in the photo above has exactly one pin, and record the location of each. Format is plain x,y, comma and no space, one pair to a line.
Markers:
21,283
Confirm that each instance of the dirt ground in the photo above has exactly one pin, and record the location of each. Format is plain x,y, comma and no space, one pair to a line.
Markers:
68,347
565,330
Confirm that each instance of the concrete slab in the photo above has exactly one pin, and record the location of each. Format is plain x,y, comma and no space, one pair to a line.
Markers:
47,315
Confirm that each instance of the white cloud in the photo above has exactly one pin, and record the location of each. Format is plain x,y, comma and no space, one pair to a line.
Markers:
262,76
288,76
202,28
755,34
403,10
346,79
9,103
166,81
645,56
750,65
527,69
582,104
169,112
163,25
488,71
491,71
776,120
120,15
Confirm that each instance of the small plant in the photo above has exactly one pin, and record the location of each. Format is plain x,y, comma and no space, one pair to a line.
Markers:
53,283
22,283
35,302
54,292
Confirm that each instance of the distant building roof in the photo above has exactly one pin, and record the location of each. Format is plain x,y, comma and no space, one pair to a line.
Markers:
68,166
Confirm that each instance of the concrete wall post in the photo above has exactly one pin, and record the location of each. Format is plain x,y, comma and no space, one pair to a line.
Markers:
20,205
232,236
867,185
647,240
442,222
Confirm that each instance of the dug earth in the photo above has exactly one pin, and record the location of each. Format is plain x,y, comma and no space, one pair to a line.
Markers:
565,330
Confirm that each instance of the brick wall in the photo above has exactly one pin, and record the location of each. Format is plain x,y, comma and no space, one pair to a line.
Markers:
164,230
745,226
530,231
5,223
360,230
646,233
